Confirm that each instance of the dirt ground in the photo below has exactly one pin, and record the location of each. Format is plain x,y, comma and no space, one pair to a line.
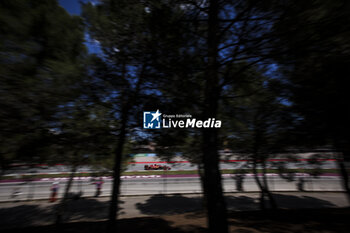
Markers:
280,221
299,212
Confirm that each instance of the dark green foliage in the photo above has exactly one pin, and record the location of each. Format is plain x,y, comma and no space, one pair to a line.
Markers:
315,38
41,64
315,35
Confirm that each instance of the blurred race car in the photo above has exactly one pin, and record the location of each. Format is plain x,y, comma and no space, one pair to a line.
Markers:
157,167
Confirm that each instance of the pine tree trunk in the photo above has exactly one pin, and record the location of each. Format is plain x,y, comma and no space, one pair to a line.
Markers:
345,175
267,190
201,176
262,201
2,165
62,205
260,185
118,156
213,193
215,203
113,208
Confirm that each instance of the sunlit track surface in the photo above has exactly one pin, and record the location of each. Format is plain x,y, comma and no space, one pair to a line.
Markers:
185,166
180,164
142,185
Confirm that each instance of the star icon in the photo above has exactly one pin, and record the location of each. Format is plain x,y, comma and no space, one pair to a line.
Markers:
156,115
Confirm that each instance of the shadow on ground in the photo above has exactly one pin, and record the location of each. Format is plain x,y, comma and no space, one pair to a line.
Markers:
76,210
88,209
295,202
183,214
245,203
328,220
177,204
294,220
24,215
170,204
144,225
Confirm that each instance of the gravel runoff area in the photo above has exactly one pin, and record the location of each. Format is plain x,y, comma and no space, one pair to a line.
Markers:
181,212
